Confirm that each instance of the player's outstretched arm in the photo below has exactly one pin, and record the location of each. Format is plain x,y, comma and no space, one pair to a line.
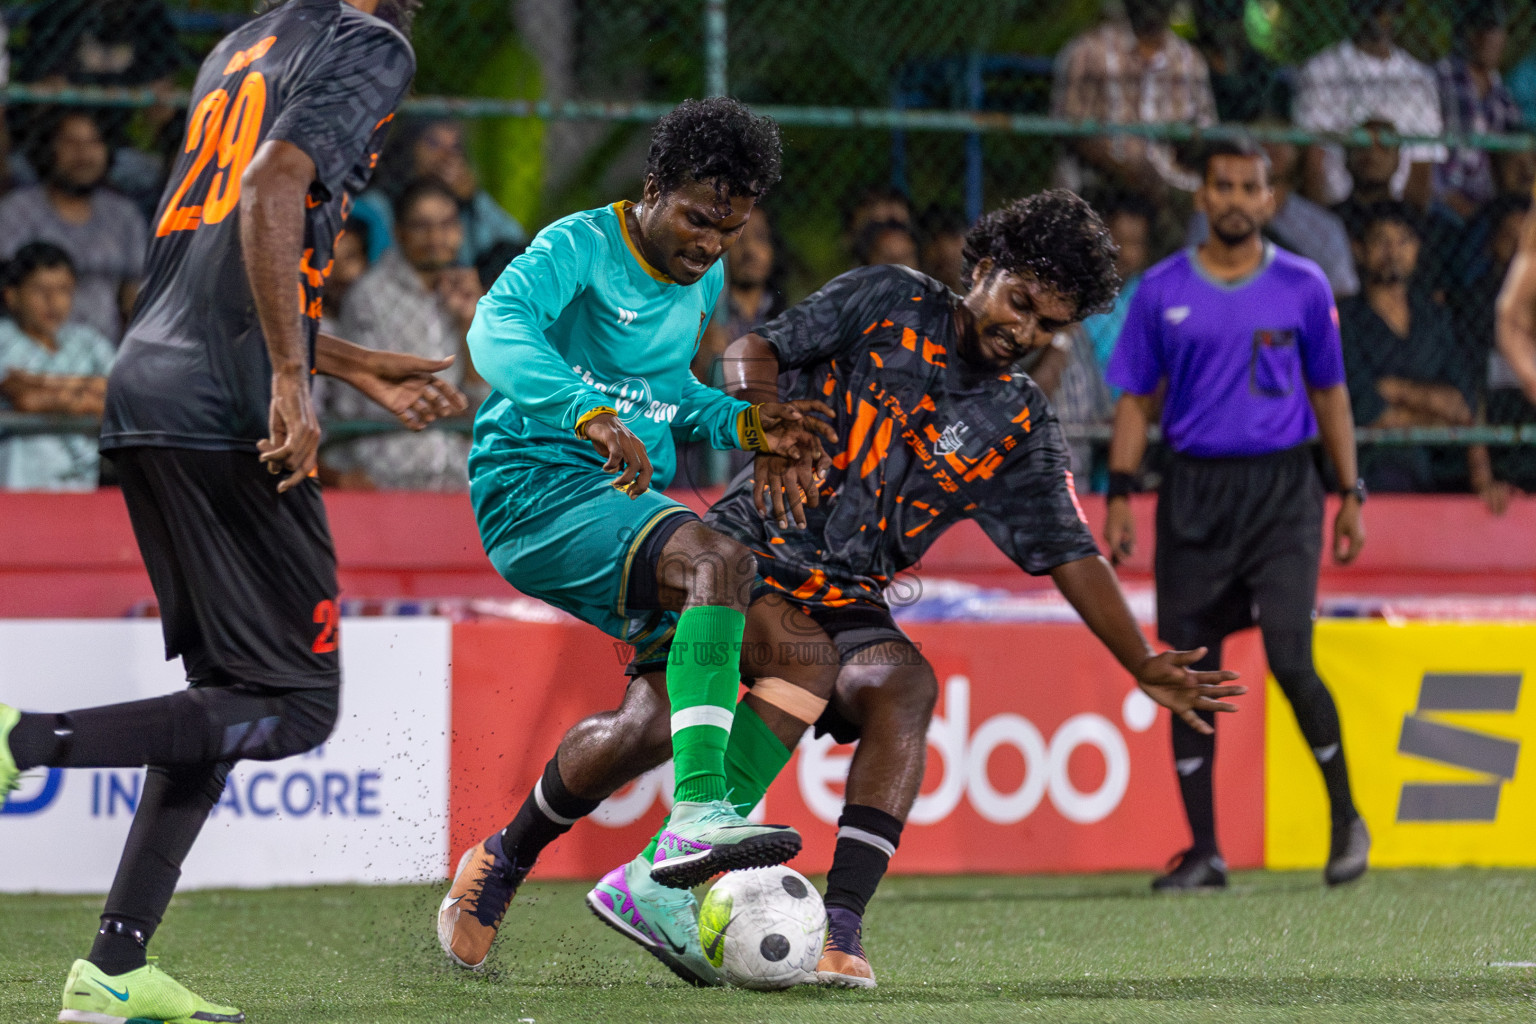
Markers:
1091,587
272,192
406,385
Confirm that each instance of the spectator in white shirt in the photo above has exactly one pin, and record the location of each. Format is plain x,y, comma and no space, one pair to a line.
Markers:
1363,78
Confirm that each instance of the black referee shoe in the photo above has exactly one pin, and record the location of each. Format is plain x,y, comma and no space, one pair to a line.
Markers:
1348,853
1194,872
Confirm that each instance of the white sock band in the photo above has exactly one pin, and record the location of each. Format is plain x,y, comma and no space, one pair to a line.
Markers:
544,808
858,835
702,714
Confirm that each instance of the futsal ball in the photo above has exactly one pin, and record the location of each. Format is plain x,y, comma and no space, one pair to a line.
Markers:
762,929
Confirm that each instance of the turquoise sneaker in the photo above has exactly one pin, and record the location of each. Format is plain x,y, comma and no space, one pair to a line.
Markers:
703,839
664,922
145,996
10,775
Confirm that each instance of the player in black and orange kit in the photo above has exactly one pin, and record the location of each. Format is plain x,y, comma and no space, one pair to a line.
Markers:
209,422
937,428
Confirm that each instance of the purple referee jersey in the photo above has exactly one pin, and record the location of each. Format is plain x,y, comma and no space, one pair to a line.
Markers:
1238,356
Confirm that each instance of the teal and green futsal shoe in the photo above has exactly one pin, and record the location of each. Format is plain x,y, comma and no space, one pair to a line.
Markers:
664,922
10,775
703,839
145,996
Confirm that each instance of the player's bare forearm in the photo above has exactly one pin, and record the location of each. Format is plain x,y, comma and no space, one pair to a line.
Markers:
1516,324
1336,427
1092,588
1128,444
337,357
752,369
272,238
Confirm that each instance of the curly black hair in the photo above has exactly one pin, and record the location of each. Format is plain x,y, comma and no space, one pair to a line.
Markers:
719,141
1056,236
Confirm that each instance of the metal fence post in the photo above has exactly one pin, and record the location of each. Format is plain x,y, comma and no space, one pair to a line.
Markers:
714,47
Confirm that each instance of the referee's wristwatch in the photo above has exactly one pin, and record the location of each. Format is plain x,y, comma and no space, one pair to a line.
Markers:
1358,492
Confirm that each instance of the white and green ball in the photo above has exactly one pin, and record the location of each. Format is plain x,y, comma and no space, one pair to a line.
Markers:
762,929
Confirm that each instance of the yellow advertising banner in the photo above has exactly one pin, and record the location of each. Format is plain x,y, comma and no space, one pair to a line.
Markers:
1439,720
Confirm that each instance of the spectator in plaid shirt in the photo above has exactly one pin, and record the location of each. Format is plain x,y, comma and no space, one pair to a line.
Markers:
1473,98
1131,72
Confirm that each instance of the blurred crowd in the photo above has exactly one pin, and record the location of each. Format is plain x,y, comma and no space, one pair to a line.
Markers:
1414,238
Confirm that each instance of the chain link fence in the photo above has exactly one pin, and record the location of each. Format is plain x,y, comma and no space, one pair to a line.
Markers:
922,112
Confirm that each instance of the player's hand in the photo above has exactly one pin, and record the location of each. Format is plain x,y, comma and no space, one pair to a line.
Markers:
786,486
792,432
1167,679
1348,532
409,387
293,442
624,451
1119,530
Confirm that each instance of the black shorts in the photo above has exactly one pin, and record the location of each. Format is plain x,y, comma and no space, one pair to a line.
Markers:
644,591
245,577
1238,544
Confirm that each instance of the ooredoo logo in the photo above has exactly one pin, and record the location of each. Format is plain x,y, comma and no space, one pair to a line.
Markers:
962,758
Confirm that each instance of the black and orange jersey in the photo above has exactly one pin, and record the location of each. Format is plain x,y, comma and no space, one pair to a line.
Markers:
924,442
192,371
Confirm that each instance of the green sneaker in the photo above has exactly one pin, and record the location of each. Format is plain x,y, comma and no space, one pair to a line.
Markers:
663,921
10,775
703,839
145,996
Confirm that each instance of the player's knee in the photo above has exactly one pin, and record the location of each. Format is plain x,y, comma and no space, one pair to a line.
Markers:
1290,661
721,570
306,721
915,691
903,695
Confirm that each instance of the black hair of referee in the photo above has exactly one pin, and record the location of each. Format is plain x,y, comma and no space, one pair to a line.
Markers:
1238,535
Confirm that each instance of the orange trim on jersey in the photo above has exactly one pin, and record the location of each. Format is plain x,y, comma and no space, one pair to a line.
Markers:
245,58
619,209
878,450
810,586
876,357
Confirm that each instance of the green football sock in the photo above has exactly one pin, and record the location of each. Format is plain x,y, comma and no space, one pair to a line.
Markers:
702,680
753,759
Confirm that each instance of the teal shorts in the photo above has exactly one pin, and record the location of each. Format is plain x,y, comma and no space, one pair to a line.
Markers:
556,529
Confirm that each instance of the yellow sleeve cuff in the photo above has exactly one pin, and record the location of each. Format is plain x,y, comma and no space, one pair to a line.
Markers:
749,429
589,416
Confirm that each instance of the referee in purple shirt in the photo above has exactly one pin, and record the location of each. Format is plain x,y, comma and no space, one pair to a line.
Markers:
1239,340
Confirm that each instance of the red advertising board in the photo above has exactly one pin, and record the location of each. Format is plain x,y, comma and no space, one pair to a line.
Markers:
1041,757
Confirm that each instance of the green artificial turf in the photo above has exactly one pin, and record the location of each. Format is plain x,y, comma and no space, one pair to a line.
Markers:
1397,947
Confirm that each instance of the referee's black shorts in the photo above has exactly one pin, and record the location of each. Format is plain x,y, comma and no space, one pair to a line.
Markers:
245,577
1238,544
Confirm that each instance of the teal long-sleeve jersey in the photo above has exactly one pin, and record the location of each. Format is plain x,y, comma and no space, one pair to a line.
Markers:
580,322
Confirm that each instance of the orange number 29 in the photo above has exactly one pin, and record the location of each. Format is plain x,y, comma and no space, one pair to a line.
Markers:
228,132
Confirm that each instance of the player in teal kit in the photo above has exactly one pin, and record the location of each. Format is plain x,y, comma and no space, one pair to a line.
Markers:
587,338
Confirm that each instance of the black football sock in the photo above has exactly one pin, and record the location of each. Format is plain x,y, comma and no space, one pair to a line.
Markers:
867,837
197,726
173,806
1194,756
548,812
1290,660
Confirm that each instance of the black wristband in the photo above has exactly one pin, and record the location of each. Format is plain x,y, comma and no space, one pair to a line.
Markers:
1121,485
